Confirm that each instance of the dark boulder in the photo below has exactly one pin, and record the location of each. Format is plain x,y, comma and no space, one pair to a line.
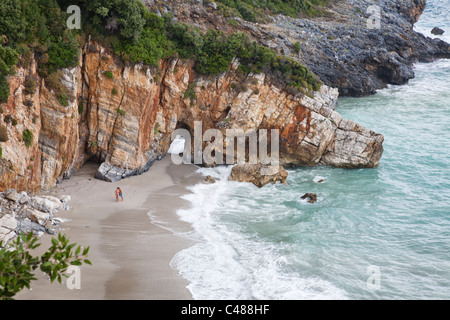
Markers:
437,31
310,197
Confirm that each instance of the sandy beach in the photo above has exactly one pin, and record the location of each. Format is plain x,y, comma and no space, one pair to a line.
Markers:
130,255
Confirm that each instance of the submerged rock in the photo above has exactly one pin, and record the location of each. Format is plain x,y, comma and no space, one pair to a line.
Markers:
258,174
310,197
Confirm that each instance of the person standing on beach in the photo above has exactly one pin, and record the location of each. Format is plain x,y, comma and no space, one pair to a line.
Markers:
118,193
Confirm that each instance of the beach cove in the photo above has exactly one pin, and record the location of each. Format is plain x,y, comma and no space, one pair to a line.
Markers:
130,255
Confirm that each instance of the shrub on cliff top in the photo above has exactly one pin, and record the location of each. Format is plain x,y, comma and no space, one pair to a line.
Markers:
297,47
135,34
152,44
4,89
213,53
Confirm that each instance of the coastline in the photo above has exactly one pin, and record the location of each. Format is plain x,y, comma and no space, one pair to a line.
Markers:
130,254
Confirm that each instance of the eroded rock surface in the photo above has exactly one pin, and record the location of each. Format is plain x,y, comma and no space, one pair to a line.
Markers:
127,129
258,174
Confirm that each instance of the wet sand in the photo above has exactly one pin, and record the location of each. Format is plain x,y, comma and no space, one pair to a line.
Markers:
130,255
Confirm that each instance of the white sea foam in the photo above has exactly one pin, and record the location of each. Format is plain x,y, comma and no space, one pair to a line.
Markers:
435,15
228,263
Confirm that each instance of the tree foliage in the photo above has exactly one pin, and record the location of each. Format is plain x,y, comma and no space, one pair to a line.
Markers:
8,59
18,264
34,27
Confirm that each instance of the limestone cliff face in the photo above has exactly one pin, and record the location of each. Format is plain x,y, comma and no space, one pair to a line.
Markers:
123,117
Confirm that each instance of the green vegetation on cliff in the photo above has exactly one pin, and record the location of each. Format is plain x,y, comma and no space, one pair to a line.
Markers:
38,27
253,10
8,59
34,27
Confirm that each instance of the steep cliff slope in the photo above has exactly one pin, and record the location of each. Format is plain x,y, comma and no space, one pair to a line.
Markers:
123,117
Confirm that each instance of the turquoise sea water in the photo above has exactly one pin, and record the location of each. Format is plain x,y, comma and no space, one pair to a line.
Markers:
269,244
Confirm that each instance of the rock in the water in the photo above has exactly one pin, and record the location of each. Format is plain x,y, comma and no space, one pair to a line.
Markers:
437,31
310,197
210,179
258,174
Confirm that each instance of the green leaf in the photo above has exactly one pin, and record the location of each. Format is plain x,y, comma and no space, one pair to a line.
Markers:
85,251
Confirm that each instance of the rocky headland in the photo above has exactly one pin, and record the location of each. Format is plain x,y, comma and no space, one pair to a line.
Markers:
357,47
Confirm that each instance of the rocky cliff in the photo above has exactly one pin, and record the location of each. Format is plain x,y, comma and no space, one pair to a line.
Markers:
347,47
123,116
